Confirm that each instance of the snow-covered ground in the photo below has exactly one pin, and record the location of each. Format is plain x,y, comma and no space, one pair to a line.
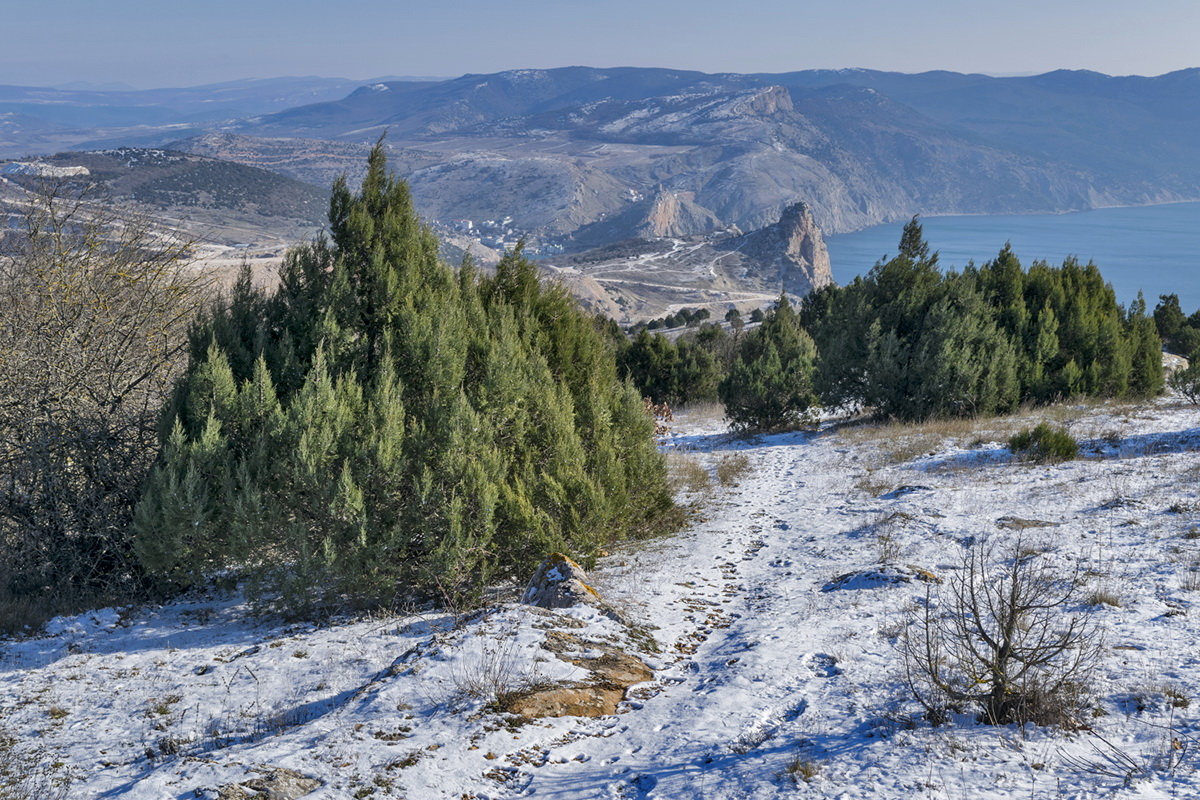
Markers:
770,681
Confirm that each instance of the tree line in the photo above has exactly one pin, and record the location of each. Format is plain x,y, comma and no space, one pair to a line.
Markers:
909,341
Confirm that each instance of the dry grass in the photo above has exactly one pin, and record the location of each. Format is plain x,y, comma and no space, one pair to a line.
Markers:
899,442
28,771
687,474
731,468
803,769
699,413
871,485
1172,694
1105,597
1190,582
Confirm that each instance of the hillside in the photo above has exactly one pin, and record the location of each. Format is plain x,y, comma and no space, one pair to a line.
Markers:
772,626
209,199
576,158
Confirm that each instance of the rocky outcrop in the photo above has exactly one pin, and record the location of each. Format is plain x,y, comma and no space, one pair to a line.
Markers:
646,277
277,783
561,583
612,672
676,214
880,576
791,252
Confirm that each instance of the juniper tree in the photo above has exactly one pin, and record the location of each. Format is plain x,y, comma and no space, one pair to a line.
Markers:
382,424
770,385
908,341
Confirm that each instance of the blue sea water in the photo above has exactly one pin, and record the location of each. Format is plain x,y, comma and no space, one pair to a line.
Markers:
1152,248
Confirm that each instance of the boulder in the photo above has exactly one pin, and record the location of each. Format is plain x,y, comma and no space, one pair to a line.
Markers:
277,783
561,583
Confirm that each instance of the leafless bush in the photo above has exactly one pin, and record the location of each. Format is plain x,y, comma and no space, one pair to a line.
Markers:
1106,760
998,638
495,672
93,316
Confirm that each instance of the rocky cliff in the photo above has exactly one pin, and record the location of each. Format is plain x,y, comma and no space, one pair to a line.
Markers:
790,253
642,277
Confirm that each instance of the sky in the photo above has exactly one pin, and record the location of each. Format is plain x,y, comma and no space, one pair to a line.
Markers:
156,43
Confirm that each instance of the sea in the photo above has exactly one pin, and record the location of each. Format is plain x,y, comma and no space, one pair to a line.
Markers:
1154,249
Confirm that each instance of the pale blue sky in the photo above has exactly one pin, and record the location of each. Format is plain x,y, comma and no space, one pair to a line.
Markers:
162,43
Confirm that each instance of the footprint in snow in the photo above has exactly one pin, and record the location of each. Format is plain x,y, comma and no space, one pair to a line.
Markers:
824,666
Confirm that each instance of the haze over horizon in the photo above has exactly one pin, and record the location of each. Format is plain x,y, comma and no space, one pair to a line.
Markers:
145,45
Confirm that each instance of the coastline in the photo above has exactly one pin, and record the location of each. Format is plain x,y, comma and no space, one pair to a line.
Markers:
1149,247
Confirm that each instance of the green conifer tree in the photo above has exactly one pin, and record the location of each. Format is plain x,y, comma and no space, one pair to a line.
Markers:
770,385
381,425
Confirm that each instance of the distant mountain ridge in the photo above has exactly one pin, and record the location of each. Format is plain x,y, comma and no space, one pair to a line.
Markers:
860,146
575,158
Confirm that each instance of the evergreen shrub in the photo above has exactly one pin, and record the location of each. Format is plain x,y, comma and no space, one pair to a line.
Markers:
382,425
1045,444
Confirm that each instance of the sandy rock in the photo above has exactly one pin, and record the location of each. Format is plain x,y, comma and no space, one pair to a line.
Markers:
567,701
616,668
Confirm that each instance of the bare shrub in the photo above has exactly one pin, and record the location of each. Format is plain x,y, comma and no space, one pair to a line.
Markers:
997,638
1103,596
661,414
1186,382
1108,761
496,672
93,327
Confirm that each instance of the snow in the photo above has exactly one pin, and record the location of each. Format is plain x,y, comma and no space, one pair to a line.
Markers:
42,170
760,663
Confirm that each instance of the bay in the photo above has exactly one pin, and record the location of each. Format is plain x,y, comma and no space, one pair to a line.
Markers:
1152,248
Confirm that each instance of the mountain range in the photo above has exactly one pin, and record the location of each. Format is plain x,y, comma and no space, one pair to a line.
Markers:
564,149
578,158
